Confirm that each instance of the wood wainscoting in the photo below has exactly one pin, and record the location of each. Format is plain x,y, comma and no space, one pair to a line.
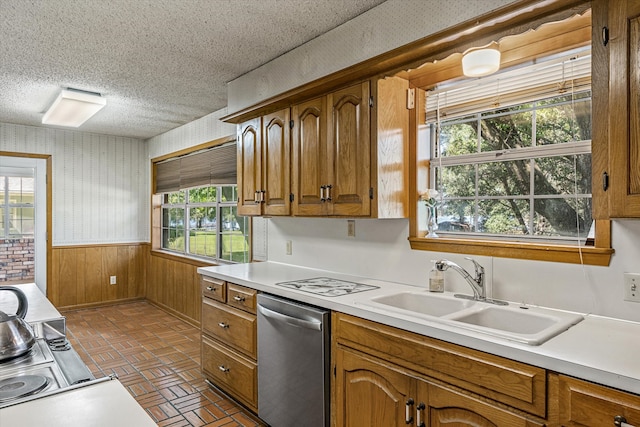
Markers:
80,274
174,285
80,278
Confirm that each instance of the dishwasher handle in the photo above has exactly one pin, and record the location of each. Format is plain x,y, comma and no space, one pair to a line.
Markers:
307,324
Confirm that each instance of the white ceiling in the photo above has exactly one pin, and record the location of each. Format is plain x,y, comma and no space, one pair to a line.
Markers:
159,63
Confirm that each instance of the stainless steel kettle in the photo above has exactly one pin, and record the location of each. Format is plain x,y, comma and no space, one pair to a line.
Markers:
16,335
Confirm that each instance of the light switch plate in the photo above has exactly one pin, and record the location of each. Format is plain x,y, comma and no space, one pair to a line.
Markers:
112,280
632,287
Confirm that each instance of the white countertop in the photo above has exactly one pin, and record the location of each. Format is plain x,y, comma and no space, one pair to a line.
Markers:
106,404
598,349
40,308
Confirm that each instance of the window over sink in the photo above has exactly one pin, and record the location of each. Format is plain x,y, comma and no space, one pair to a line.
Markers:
510,153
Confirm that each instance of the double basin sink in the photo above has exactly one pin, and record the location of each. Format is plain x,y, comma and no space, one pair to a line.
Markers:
524,324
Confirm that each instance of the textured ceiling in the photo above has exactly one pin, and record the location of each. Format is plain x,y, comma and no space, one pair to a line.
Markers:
159,63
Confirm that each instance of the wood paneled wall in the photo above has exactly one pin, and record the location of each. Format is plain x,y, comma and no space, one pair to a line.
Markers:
80,278
80,274
174,285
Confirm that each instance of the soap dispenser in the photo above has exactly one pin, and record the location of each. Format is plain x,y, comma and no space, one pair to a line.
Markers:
436,278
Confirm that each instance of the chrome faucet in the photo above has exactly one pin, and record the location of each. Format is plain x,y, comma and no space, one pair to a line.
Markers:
476,283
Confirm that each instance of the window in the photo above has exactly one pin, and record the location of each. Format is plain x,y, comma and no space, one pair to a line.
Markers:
204,222
511,155
17,203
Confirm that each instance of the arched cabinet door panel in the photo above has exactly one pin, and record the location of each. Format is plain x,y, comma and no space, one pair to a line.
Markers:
369,394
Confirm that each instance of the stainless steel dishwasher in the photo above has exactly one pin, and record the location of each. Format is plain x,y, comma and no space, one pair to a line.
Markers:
293,363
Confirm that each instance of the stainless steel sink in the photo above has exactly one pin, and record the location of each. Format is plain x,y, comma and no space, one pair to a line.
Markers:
524,324
424,303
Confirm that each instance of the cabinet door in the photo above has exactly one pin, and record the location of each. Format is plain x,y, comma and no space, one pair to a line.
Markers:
369,394
349,151
589,405
310,162
448,408
624,108
276,158
249,167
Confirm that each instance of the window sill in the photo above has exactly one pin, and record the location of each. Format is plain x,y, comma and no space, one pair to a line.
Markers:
174,256
519,250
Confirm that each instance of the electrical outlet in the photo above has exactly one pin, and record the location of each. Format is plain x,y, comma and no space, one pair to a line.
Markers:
289,247
351,228
112,280
632,287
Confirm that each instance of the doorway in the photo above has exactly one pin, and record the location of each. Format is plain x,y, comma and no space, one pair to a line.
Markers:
23,221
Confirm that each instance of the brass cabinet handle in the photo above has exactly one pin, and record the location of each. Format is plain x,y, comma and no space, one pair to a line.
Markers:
223,325
223,369
239,298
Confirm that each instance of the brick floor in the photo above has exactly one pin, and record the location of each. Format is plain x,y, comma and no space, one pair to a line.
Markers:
157,357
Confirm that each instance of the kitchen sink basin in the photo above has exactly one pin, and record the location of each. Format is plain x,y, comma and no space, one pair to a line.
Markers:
423,303
524,324
528,325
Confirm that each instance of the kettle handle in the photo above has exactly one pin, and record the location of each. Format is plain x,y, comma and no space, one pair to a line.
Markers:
23,305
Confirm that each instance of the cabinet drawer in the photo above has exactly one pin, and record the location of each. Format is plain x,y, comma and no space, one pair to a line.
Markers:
582,403
241,297
231,326
513,383
213,288
231,372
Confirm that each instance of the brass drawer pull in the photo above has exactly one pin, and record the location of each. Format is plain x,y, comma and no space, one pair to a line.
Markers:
239,298
223,325
223,369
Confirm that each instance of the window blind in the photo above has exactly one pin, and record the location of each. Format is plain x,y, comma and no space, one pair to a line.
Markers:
214,166
561,75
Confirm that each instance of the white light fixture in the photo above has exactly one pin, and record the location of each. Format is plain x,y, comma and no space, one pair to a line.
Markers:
73,107
480,62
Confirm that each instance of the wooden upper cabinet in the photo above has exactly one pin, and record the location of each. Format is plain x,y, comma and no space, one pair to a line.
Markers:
264,156
624,108
349,150
342,157
276,160
310,160
331,154
249,167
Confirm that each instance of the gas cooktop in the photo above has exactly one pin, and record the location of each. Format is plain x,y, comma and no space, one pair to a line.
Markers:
327,286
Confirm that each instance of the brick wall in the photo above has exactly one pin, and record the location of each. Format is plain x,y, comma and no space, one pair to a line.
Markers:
17,260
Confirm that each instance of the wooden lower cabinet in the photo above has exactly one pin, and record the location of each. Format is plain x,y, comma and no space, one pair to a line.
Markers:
229,339
388,377
368,393
448,408
581,403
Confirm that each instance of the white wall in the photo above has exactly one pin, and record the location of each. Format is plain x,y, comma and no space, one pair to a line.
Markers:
381,250
100,183
390,25
194,133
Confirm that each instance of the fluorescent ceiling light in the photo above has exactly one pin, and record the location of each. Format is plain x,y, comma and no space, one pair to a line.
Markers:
73,107
480,62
